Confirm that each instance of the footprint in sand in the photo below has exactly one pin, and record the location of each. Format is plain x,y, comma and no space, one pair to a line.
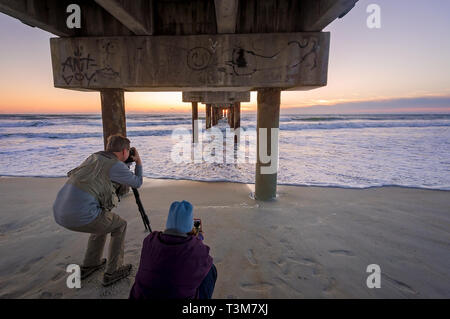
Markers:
303,261
281,261
264,286
330,286
131,251
251,257
49,295
28,265
341,252
289,228
58,276
266,242
400,285
317,271
308,262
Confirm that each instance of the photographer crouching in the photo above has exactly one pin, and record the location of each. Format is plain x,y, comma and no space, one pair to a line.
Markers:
85,202
175,264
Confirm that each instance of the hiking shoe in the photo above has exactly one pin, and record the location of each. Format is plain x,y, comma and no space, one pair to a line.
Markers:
87,271
120,273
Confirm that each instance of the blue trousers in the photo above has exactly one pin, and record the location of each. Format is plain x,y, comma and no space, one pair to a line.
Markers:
206,288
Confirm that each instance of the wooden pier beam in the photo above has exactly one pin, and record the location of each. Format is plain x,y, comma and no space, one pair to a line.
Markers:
268,117
113,113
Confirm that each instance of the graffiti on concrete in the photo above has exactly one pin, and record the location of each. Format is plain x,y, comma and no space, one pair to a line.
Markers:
246,62
198,58
240,61
83,68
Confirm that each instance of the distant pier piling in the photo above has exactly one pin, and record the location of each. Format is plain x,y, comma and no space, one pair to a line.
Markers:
113,113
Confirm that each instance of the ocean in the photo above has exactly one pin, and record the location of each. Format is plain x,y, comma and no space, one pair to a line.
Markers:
351,151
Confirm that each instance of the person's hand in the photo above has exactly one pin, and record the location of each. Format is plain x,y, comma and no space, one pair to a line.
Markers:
136,157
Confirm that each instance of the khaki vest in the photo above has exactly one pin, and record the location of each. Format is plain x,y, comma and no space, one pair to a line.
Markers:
92,176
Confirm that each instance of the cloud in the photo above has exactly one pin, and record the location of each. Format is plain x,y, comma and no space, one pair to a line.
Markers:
425,104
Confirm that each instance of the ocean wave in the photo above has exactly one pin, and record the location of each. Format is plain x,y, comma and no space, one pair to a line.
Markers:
159,123
283,127
83,135
364,117
92,122
316,119
26,124
360,125
227,180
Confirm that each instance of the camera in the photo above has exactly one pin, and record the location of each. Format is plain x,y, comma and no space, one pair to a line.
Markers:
130,158
197,223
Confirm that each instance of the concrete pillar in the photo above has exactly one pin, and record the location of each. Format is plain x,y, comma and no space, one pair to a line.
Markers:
194,126
114,120
113,113
208,116
268,117
237,119
214,116
232,117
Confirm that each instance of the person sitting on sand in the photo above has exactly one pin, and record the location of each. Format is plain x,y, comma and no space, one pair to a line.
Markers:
175,264
85,202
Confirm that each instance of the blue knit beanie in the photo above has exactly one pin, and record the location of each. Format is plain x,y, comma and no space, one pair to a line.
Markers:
180,217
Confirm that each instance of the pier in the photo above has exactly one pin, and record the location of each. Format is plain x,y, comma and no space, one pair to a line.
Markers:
215,52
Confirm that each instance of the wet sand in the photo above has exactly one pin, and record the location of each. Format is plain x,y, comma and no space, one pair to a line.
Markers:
312,242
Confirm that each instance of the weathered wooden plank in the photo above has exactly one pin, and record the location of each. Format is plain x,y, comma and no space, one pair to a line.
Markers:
263,16
317,14
192,63
216,97
257,16
185,17
226,15
51,15
136,15
48,16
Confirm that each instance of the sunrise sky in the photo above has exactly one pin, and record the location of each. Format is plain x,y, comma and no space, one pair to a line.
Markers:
402,67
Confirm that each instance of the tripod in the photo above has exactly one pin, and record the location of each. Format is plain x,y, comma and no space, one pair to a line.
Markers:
144,216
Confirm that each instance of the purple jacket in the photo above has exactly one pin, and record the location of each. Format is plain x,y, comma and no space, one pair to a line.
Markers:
171,267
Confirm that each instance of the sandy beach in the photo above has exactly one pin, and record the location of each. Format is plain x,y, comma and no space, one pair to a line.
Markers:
312,242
